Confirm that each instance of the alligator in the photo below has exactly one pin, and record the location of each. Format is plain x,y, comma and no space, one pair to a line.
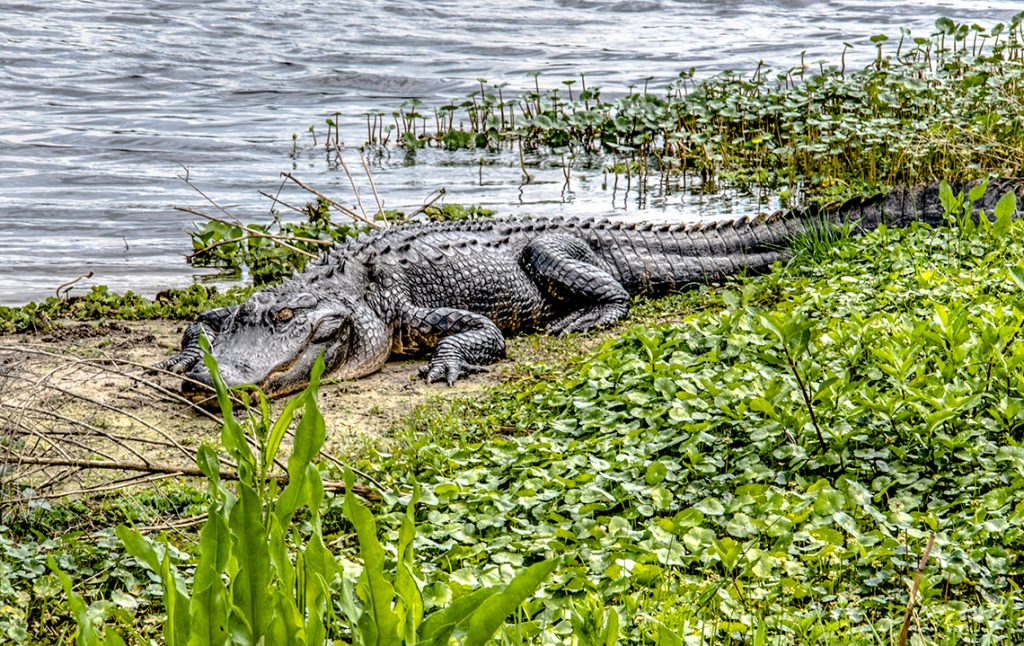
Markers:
458,288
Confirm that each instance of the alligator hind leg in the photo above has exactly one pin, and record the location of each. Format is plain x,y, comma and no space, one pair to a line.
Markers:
569,273
464,342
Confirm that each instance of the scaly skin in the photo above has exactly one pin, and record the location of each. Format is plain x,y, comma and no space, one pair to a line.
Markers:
458,288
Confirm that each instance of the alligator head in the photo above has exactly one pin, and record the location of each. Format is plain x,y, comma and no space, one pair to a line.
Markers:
273,339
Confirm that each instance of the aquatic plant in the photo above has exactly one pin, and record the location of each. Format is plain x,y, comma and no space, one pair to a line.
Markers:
948,105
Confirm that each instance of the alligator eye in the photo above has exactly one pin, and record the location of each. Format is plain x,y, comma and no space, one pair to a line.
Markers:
284,315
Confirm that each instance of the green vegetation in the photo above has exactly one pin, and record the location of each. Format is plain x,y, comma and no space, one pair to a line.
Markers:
770,469
101,303
256,576
767,469
270,252
947,106
830,452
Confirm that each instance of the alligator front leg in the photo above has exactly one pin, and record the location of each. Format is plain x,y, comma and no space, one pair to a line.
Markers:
464,342
569,273
208,323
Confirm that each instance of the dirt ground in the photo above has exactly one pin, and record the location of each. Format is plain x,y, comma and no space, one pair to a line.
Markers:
80,395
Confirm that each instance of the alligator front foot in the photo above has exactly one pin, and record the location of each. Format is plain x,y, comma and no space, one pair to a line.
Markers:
469,341
190,354
182,362
449,369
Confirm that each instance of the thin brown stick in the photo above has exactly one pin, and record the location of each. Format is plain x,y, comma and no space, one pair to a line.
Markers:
98,432
188,182
341,207
67,286
113,486
97,363
169,469
905,630
181,523
283,240
362,474
373,187
438,194
113,437
276,200
352,181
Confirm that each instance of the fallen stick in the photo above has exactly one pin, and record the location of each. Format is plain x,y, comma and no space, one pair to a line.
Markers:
253,233
905,630
344,209
170,469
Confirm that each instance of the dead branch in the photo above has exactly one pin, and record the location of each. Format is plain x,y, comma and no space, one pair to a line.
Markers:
341,207
182,523
373,187
66,287
438,194
277,200
253,233
170,469
352,181
902,640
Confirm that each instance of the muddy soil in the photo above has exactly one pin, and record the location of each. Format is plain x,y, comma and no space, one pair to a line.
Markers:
81,393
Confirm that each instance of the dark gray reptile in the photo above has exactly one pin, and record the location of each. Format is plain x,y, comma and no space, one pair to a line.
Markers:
458,288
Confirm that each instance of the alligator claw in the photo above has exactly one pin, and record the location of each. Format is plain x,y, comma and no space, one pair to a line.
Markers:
180,363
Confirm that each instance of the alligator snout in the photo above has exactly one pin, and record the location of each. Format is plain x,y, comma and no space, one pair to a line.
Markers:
197,385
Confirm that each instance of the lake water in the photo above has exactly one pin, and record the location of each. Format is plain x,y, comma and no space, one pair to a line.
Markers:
103,105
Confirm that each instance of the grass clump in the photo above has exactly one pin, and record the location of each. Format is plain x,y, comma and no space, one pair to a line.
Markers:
768,472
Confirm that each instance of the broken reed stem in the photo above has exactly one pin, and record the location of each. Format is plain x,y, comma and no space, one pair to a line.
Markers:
373,187
352,181
341,207
66,287
438,194
277,200
168,469
905,629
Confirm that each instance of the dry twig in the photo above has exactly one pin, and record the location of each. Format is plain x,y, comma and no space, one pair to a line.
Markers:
170,469
905,630
341,207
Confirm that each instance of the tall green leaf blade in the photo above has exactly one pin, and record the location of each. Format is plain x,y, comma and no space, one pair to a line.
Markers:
208,610
379,623
493,612
1003,213
978,191
178,625
87,635
281,424
176,599
438,627
287,627
280,555
232,436
411,599
249,589
139,547
310,435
